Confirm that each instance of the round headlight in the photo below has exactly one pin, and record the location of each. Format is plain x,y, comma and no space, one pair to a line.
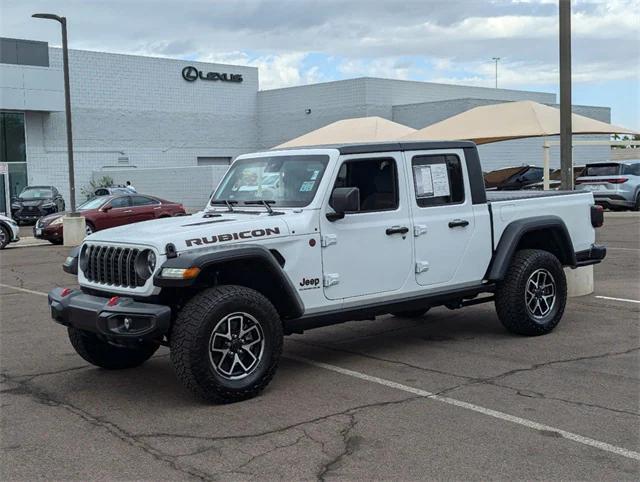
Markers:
145,264
83,260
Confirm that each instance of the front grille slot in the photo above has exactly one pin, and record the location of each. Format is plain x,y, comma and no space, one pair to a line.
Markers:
112,266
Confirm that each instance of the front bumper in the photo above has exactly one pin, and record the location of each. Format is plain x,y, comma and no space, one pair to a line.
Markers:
122,321
50,233
31,214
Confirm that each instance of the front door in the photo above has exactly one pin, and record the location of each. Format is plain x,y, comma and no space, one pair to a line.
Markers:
443,217
368,251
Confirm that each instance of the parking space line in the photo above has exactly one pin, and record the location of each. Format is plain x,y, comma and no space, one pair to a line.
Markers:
617,299
475,408
623,249
450,401
39,293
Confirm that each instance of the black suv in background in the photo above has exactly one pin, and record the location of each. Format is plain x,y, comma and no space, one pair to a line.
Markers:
512,178
35,202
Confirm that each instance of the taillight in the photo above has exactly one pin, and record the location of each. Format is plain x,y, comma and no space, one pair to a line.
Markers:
617,180
597,216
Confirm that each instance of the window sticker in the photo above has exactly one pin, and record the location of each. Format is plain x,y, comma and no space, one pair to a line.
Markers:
314,176
307,186
423,181
440,177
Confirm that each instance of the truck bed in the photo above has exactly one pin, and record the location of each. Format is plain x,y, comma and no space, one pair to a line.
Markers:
497,196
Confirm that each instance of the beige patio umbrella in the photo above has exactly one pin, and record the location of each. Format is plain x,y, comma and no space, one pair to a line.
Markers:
359,129
509,120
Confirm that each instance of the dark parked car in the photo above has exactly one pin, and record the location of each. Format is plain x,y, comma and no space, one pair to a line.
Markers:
555,179
110,211
35,202
512,178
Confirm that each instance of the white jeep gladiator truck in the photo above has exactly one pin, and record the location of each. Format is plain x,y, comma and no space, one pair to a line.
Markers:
302,238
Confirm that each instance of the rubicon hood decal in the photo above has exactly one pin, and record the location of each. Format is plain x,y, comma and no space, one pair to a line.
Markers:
220,238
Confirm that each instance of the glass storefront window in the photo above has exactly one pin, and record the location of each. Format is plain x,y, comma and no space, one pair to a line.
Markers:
13,150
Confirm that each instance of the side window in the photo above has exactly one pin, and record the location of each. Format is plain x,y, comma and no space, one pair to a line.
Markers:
376,179
143,201
632,169
120,202
438,180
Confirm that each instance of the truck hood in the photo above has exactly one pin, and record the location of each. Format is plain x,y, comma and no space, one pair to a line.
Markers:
191,232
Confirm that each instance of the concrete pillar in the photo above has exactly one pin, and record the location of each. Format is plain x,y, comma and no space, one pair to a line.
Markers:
579,281
73,230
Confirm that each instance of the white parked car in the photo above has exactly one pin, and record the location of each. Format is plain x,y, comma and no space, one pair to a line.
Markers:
348,233
9,231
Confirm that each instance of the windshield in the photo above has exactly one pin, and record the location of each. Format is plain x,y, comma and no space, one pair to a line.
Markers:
602,170
94,203
36,193
290,181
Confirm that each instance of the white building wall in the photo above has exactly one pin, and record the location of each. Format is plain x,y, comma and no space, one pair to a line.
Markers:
282,112
139,111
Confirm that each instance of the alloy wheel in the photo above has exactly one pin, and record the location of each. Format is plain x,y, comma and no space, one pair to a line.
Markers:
236,346
540,293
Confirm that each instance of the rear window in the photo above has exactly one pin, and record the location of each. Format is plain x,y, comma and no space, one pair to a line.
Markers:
602,170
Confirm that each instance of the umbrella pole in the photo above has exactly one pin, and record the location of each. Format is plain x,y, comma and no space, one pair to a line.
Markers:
545,169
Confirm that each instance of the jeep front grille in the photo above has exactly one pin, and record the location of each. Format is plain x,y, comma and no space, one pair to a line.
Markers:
113,266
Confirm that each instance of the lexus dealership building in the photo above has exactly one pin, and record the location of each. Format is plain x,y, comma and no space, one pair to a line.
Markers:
171,126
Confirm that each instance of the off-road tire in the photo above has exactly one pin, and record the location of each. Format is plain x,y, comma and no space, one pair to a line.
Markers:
5,237
510,301
190,343
102,354
410,313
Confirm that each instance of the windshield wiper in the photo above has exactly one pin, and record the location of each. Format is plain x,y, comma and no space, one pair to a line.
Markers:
224,202
265,202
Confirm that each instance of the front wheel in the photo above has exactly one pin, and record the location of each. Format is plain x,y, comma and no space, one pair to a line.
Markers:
89,228
102,354
531,298
226,343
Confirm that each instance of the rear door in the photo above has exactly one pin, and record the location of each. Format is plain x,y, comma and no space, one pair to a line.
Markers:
144,208
443,216
368,251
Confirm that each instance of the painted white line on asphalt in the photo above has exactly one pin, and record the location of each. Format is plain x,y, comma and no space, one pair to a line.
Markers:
623,249
40,293
475,408
451,401
618,299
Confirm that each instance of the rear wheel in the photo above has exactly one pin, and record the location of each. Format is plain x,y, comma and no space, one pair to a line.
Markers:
226,343
410,313
636,205
531,298
102,354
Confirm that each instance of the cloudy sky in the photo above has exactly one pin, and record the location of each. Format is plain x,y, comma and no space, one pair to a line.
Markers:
305,41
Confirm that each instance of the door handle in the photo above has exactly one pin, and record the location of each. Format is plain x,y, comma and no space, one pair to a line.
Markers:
128,211
458,223
397,230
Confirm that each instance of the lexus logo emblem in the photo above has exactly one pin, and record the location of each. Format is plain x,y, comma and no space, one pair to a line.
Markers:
190,74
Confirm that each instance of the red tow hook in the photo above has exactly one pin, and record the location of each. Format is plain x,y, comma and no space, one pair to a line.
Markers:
113,301
66,292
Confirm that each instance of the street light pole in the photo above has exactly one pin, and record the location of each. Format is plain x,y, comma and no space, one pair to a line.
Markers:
566,129
67,104
496,59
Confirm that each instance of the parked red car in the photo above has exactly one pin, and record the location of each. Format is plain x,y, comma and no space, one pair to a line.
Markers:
109,211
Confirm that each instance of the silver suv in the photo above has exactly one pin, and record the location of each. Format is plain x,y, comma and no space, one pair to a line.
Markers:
613,184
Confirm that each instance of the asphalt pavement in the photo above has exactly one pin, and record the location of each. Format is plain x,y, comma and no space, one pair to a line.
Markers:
451,395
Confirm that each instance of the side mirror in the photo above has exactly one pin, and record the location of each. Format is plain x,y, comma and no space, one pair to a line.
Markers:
107,208
343,200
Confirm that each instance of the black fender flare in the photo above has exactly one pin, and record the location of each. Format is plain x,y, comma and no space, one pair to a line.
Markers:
287,301
516,230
